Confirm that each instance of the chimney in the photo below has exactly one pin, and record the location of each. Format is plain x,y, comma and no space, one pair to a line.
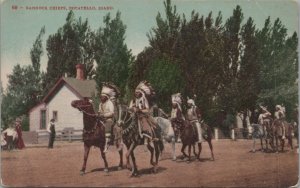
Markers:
80,71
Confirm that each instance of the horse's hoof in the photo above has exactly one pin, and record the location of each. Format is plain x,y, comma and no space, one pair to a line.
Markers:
212,159
120,167
82,172
174,159
105,170
154,169
134,174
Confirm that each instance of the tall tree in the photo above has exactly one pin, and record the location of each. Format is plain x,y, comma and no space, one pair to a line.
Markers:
232,45
248,78
111,53
21,93
70,45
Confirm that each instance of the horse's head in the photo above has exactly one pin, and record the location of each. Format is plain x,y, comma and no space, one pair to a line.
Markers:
83,105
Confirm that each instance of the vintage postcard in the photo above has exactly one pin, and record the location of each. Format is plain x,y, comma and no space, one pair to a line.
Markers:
140,93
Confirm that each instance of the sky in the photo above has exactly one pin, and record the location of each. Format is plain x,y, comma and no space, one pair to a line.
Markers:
20,27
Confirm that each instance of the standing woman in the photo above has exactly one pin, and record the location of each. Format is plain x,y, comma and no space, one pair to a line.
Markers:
20,142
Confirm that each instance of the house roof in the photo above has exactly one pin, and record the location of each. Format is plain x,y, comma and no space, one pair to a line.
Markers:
82,88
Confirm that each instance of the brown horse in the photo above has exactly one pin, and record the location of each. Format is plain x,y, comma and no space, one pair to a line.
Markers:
93,133
281,130
131,138
189,138
207,135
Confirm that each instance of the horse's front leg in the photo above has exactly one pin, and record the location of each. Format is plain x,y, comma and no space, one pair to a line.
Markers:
211,149
128,154
151,149
120,150
157,152
173,149
134,169
85,157
104,159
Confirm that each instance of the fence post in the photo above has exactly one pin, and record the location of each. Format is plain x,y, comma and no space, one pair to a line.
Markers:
216,134
232,134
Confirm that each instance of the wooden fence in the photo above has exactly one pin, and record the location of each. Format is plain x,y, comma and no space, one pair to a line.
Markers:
67,134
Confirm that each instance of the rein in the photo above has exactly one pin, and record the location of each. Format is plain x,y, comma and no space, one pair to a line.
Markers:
89,114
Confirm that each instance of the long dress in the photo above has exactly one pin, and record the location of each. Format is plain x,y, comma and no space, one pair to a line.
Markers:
20,142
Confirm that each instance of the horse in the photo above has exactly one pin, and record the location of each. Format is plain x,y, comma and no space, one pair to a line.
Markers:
260,133
167,133
281,130
93,133
131,138
207,134
189,138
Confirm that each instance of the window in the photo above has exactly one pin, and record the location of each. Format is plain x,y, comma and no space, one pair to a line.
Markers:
43,119
54,116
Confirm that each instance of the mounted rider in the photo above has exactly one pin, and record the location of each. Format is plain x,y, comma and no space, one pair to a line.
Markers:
177,118
279,115
140,105
264,119
108,110
193,115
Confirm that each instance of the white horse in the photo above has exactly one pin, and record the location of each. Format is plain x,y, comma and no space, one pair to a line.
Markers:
167,133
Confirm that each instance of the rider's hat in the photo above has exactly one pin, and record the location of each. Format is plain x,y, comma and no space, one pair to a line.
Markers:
110,90
176,98
145,88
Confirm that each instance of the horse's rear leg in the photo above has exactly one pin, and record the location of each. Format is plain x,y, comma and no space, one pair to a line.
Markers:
290,141
282,144
182,150
190,147
85,157
261,143
121,160
211,149
200,150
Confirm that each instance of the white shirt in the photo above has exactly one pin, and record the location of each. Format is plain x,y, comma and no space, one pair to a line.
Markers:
9,131
107,109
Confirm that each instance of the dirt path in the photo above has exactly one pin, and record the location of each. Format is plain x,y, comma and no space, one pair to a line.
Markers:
234,166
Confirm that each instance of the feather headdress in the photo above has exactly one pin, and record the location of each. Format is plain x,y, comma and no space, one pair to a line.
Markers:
110,90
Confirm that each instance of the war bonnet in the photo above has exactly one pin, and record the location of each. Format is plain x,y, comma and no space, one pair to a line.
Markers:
110,90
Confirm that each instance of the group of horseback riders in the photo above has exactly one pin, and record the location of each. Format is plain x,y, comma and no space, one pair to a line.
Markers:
140,105
265,118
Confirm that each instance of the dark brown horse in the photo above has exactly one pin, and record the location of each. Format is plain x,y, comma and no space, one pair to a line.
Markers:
131,138
93,133
189,138
281,130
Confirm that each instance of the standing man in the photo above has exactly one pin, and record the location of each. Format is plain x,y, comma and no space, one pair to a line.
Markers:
51,131
193,116
107,111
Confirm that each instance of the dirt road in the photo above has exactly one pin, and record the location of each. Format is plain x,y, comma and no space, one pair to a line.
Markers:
234,166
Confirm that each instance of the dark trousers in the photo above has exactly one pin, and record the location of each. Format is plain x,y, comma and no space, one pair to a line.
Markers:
51,140
10,143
